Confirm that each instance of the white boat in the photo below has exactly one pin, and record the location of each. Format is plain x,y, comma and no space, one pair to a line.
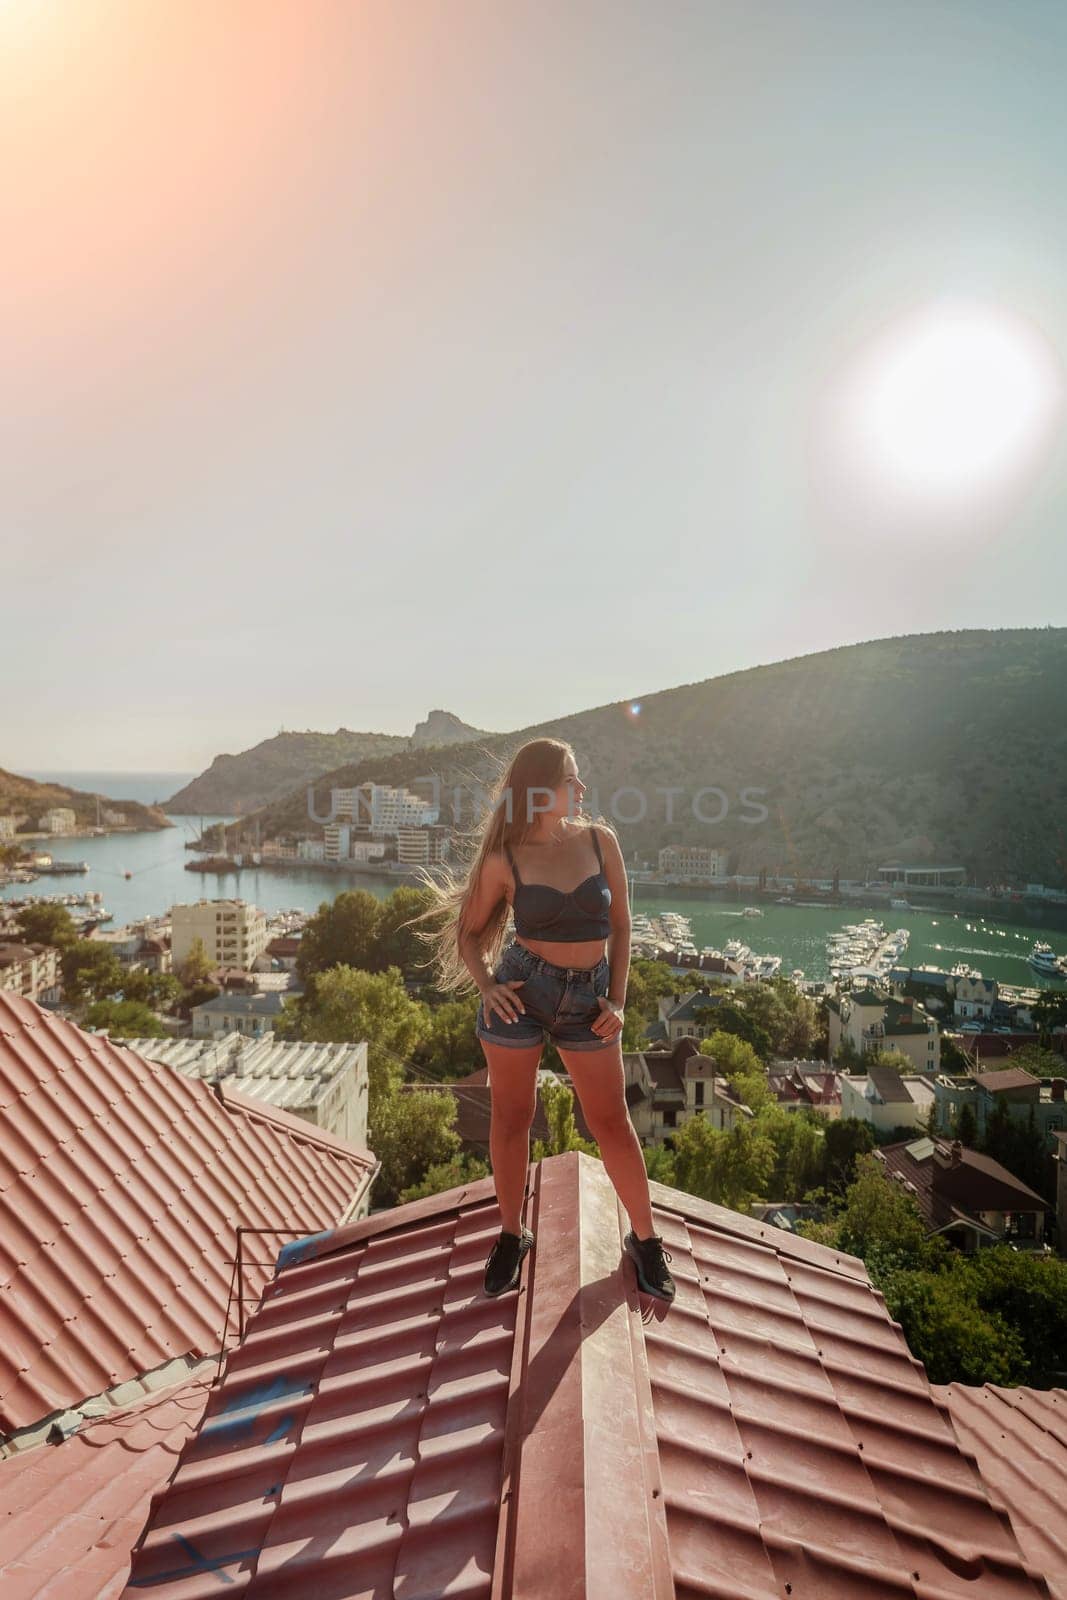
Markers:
1044,960
752,911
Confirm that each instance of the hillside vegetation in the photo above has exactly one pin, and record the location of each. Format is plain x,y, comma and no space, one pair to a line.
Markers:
27,799
949,748
236,785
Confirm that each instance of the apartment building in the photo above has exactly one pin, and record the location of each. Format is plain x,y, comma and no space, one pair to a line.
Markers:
234,933
58,819
30,970
337,841
872,1020
692,861
381,808
421,846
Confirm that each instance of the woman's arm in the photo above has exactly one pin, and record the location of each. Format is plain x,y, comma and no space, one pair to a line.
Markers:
618,945
483,899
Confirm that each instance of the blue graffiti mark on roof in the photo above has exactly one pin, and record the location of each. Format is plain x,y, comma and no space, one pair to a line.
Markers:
198,1562
239,1414
297,1249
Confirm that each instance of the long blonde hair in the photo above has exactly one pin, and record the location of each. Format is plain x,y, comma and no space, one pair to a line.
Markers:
538,764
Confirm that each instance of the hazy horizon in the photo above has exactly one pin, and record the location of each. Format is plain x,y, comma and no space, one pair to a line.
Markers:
354,349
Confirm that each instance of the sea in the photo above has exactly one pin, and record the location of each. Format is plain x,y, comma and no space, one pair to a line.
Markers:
143,874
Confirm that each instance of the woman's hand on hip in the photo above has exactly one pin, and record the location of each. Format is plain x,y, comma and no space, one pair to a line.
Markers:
609,1023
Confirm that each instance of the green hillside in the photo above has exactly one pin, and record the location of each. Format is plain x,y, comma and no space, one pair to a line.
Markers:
948,748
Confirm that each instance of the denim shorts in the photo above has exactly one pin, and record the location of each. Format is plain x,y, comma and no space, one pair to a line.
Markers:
559,1001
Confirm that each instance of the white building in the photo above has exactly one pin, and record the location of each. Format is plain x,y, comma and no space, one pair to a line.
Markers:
252,1015
311,850
337,841
234,933
58,819
326,1084
421,846
873,1021
7,827
692,861
886,1099
30,970
381,808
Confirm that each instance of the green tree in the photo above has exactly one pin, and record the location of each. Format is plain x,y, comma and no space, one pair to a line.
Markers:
194,970
659,1164
1049,1012
1030,1293
349,1004
880,1213
955,1340
953,1060
844,1141
797,1137
91,971
397,945
789,1018
999,1136
46,924
731,1167
732,1018
157,990
197,995
343,932
558,1102
125,1019
450,1042
966,1129
444,1175
411,1133
742,1068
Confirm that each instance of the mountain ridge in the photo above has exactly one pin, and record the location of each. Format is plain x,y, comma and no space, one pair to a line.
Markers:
951,746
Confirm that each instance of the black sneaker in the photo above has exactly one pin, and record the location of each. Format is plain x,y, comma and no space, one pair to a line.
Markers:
505,1260
650,1258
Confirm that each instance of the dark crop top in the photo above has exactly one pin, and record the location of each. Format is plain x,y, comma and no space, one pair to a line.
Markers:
542,912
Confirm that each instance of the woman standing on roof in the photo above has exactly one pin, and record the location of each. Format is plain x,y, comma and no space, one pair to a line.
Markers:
564,973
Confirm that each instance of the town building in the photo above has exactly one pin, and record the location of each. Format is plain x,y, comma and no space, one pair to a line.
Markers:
234,933
323,1084
381,808
969,1198
252,1015
58,819
32,970
871,1019
813,1084
1021,1090
885,1098
693,861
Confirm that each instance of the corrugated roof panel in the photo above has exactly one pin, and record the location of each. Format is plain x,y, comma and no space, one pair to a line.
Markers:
72,1512
1018,1438
386,1429
123,1184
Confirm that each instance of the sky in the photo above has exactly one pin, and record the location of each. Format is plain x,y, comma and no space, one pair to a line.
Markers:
510,357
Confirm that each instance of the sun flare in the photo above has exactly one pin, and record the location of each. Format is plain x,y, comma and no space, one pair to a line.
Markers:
952,403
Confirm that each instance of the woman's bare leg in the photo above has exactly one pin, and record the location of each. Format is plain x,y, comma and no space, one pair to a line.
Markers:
513,1082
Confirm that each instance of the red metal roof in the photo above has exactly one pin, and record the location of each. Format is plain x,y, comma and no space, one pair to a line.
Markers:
73,1512
1018,1438
387,1430
121,1185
